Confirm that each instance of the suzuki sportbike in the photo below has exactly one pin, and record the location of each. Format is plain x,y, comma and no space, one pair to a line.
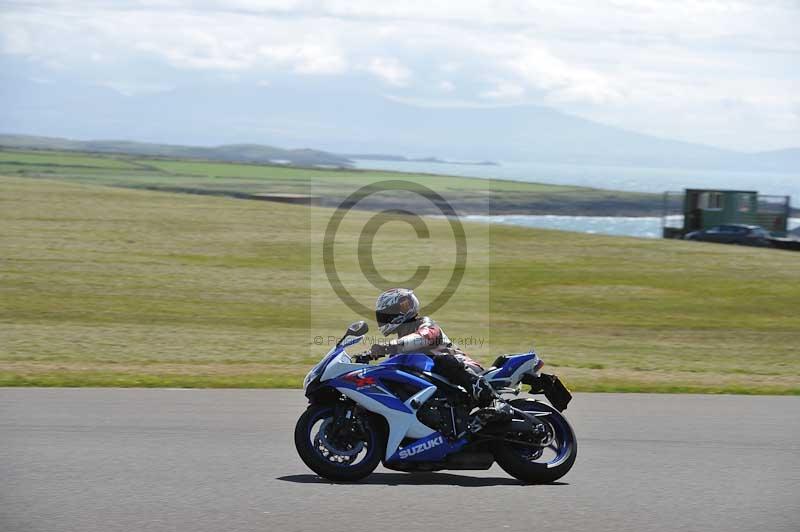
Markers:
399,413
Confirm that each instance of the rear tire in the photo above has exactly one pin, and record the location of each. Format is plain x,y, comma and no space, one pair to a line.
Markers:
313,453
512,458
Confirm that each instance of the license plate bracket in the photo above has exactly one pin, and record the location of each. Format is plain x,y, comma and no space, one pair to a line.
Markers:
553,389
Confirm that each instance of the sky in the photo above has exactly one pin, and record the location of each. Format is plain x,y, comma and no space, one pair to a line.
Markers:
721,73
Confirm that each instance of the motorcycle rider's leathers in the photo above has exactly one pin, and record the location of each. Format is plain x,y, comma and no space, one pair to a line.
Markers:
422,334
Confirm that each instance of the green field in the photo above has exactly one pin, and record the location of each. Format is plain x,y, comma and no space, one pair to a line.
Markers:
467,195
23,160
116,287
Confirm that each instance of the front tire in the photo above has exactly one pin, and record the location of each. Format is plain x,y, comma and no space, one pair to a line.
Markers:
338,453
531,465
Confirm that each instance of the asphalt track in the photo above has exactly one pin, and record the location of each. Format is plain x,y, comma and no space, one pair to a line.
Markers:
223,460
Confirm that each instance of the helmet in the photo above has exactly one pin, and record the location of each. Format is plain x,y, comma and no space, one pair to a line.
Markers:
395,307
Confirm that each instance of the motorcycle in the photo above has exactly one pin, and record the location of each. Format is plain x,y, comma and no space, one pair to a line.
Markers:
399,413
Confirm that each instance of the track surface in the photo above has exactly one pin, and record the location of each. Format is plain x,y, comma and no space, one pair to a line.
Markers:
223,460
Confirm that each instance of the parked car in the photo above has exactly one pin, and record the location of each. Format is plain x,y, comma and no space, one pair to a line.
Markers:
745,235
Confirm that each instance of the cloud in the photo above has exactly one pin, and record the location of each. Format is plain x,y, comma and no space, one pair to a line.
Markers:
504,91
558,80
127,88
618,61
389,70
306,58
16,41
184,40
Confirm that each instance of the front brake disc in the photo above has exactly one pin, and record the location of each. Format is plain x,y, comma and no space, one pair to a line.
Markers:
322,442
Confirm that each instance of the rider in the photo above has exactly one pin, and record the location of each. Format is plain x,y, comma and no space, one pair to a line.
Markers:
397,311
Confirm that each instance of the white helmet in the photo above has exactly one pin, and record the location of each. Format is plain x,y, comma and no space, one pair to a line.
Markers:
395,307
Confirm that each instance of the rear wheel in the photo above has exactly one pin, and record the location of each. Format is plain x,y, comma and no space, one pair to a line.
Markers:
338,444
539,464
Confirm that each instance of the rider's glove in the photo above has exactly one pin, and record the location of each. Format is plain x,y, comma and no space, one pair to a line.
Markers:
382,350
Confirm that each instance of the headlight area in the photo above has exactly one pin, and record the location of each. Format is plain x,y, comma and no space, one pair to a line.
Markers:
315,372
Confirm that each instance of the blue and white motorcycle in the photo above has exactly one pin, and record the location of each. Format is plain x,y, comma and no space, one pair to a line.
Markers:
400,413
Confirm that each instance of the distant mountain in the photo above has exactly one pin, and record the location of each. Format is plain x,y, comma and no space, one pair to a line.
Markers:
778,160
345,118
539,134
250,153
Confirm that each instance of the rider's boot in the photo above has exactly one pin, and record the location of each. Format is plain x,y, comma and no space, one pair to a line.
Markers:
484,395
482,391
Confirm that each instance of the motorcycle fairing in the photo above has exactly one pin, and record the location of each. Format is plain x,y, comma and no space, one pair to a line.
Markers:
372,381
512,370
332,363
363,385
432,448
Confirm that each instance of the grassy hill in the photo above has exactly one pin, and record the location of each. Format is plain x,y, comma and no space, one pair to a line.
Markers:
116,287
254,153
467,195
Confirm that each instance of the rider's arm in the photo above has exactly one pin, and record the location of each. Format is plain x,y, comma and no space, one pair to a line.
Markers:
426,336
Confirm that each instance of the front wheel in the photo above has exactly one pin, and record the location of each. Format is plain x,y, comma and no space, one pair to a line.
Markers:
338,444
539,464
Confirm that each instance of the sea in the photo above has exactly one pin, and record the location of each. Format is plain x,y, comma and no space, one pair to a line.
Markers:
639,226
638,179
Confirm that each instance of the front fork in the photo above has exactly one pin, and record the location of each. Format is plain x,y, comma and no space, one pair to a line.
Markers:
347,423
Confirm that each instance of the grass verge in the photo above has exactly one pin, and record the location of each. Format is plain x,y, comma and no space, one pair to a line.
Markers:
112,287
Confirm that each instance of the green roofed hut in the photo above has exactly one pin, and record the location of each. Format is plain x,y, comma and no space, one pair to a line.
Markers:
695,209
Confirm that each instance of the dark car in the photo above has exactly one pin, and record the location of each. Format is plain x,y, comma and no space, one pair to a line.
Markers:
746,235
